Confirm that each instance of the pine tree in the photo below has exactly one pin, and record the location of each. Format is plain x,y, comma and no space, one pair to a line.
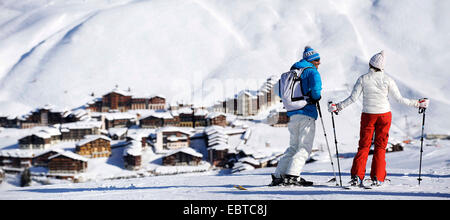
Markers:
25,179
2,175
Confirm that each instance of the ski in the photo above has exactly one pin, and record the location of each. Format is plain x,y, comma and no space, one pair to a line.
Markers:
239,187
356,187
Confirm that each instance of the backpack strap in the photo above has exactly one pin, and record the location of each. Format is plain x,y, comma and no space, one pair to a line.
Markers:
297,77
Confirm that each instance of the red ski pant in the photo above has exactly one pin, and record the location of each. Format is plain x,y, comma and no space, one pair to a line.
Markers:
370,124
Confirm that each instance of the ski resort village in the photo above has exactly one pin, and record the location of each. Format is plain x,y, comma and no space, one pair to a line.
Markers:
124,137
143,135
180,100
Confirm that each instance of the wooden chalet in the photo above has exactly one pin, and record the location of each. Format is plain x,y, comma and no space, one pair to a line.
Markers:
132,155
157,103
67,162
122,101
9,122
116,100
16,159
140,135
139,103
43,117
200,119
278,118
158,119
283,119
94,146
151,121
182,157
174,120
76,131
41,139
216,118
186,115
119,120
170,138
118,133
220,154
42,158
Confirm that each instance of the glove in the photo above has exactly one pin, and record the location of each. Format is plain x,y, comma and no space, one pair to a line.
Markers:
332,107
314,101
423,103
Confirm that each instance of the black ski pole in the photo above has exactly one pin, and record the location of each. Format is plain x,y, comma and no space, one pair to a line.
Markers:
326,141
421,111
335,143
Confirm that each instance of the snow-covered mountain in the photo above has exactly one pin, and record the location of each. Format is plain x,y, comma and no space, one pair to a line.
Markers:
60,51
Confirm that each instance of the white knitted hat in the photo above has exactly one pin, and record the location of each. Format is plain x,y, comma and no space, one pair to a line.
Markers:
378,60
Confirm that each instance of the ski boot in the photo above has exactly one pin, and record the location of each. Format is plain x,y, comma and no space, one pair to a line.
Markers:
377,183
276,181
290,180
356,182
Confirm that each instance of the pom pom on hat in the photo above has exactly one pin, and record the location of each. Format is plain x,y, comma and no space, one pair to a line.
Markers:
377,60
310,54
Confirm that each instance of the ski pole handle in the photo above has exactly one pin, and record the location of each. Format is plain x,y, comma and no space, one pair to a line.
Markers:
425,102
332,108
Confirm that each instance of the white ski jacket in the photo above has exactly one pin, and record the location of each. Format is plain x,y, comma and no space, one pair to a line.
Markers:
376,87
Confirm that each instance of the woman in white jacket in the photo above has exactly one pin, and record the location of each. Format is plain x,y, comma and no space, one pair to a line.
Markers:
375,118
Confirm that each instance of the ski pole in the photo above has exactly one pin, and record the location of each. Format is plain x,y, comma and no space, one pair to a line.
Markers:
335,143
421,111
326,140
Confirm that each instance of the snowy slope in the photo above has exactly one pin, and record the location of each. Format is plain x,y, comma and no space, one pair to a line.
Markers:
60,51
215,186
202,51
402,169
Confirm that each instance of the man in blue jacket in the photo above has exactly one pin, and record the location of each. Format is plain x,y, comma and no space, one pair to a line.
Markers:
301,125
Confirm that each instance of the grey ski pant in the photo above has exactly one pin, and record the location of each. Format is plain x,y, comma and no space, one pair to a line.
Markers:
302,129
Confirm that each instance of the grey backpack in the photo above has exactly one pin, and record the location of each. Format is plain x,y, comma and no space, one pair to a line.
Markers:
290,89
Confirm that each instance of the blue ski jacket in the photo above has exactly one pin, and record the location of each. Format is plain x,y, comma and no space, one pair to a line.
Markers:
311,83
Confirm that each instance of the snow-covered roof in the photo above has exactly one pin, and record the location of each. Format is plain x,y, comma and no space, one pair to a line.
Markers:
133,149
216,142
69,155
247,134
249,160
187,131
215,114
47,132
217,135
185,110
214,129
157,95
220,146
119,91
173,138
201,112
50,150
162,114
138,134
16,153
186,150
89,138
118,115
117,131
82,124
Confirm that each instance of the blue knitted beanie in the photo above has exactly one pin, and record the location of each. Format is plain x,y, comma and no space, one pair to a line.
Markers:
310,54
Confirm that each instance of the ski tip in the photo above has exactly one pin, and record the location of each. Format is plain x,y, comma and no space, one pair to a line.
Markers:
239,187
